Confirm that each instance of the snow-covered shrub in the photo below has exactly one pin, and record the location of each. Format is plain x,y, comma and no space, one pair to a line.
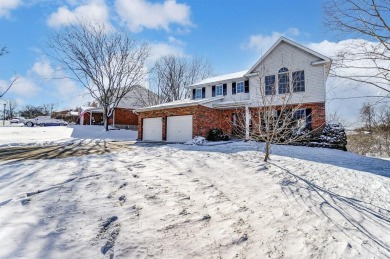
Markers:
217,135
334,134
197,141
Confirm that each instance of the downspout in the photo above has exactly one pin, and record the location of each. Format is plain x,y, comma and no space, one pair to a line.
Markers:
324,78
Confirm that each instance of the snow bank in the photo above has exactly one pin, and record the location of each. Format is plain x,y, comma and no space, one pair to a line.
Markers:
42,136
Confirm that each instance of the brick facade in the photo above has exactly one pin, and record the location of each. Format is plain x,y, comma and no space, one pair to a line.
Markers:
205,118
124,117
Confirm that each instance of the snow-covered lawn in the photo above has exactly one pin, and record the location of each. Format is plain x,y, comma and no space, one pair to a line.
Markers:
21,136
183,201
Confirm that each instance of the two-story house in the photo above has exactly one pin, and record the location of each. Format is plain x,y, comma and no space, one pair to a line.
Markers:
287,68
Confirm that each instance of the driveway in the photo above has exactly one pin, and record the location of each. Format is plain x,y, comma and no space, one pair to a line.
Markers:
62,151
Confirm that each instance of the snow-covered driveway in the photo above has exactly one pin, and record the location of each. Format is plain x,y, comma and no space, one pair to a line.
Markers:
178,201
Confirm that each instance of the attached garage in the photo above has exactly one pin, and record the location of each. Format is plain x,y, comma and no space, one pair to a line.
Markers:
152,129
179,128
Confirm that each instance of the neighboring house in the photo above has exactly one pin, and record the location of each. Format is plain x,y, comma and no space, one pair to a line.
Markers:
123,115
285,67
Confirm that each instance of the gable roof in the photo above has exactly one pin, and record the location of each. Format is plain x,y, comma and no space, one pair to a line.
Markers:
221,78
299,46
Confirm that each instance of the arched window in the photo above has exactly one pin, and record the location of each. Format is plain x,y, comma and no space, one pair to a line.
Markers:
283,80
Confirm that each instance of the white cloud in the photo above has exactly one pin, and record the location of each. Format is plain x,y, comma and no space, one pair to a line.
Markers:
24,87
43,69
160,49
95,11
175,41
7,5
344,96
140,14
262,43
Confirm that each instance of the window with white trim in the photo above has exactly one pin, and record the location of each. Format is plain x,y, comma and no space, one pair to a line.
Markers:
270,85
283,81
218,90
198,93
298,78
240,87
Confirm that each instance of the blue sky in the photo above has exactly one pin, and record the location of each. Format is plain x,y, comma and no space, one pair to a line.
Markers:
232,34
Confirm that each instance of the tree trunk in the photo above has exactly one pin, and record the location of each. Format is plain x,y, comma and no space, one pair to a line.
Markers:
266,151
105,118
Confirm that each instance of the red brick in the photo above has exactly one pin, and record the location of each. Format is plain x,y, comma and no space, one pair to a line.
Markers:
205,118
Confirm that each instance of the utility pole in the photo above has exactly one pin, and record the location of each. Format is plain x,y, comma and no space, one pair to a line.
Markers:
4,115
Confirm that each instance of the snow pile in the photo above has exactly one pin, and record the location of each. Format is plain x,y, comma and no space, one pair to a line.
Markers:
197,141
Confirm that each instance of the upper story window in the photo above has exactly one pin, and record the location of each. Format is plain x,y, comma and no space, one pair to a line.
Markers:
270,85
298,79
283,81
198,93
240,87
218,90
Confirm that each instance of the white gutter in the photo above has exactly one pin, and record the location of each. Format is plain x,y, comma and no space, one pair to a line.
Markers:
215,82
232,104
189,104
320,63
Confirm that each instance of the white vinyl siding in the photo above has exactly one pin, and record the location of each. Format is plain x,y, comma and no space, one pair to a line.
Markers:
286,55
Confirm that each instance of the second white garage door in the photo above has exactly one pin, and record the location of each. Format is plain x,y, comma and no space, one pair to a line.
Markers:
152,129
179,128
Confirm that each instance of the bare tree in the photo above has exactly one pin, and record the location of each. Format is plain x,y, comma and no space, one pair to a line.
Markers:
30,111
279,118
171,74
377,141
366,60
367,113
48,108
107,63
3,51
336,116
12,109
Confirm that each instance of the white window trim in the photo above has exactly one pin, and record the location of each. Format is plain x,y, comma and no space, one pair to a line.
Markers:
273,89
216,90
288,73
304,81
243,87
196,93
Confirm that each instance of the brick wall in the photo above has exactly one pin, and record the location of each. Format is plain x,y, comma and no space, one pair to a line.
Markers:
317,114
205,118
124,117
164,113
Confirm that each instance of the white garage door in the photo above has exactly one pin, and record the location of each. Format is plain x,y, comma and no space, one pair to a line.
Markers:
179,128
152,129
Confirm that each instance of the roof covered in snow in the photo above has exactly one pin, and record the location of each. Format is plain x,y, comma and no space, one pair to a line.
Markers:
180,103
221,78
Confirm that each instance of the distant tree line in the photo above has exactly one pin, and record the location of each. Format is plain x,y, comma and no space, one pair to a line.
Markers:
373,138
